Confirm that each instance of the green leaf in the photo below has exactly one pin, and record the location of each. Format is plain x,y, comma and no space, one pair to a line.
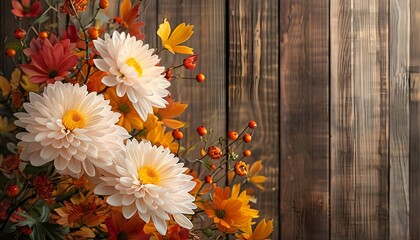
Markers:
41,19
14,45
41,228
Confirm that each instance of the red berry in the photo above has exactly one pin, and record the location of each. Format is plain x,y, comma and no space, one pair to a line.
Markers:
232,135
247,153
10,52
103,4
252,124
12,190
177,134
247,137
208,179
200,77
201,130
93,33
43,35
19,33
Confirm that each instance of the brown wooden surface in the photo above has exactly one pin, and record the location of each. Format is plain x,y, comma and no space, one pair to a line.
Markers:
414,190
335,88
304,168
399,208
253,90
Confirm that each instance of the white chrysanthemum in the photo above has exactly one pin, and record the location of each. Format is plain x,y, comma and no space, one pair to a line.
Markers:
148,180
70,126
132,67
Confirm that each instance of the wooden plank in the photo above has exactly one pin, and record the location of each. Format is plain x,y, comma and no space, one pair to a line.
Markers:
6,32
342,189
399,119
414,119
254,90
359,119
304,170
206,100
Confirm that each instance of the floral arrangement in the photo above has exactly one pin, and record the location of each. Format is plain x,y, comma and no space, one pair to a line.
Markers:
91,147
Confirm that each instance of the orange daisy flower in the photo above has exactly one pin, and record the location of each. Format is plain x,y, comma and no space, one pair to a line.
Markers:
91,212
129,118
230,211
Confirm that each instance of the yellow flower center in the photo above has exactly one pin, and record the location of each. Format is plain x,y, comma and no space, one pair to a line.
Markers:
133,63
72,119
148,175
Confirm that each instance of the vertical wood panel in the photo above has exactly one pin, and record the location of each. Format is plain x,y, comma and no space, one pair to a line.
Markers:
207,105
359,123
414,119
253,89
399,119
343,225
304,29
6,30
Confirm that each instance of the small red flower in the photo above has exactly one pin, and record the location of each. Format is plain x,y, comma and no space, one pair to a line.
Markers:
43,186
10,163
24,8
190,62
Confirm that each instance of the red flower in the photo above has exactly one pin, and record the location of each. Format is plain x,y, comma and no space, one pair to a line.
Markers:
190,62
23,8
43,186
51,63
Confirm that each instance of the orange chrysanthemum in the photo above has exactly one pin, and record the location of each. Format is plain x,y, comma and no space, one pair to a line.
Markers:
91,212
129,118
172,110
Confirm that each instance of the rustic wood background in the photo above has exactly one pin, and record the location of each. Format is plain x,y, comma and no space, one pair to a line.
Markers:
335,88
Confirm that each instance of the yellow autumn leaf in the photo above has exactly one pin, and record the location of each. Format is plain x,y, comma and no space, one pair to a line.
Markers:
4,86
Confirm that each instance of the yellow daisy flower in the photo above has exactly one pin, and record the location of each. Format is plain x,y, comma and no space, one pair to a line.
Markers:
171,41
129,117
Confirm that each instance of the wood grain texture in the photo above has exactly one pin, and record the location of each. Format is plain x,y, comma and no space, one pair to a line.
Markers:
414,120
207,105
7,27
359,120
304,170
343,162
399,42
254,90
